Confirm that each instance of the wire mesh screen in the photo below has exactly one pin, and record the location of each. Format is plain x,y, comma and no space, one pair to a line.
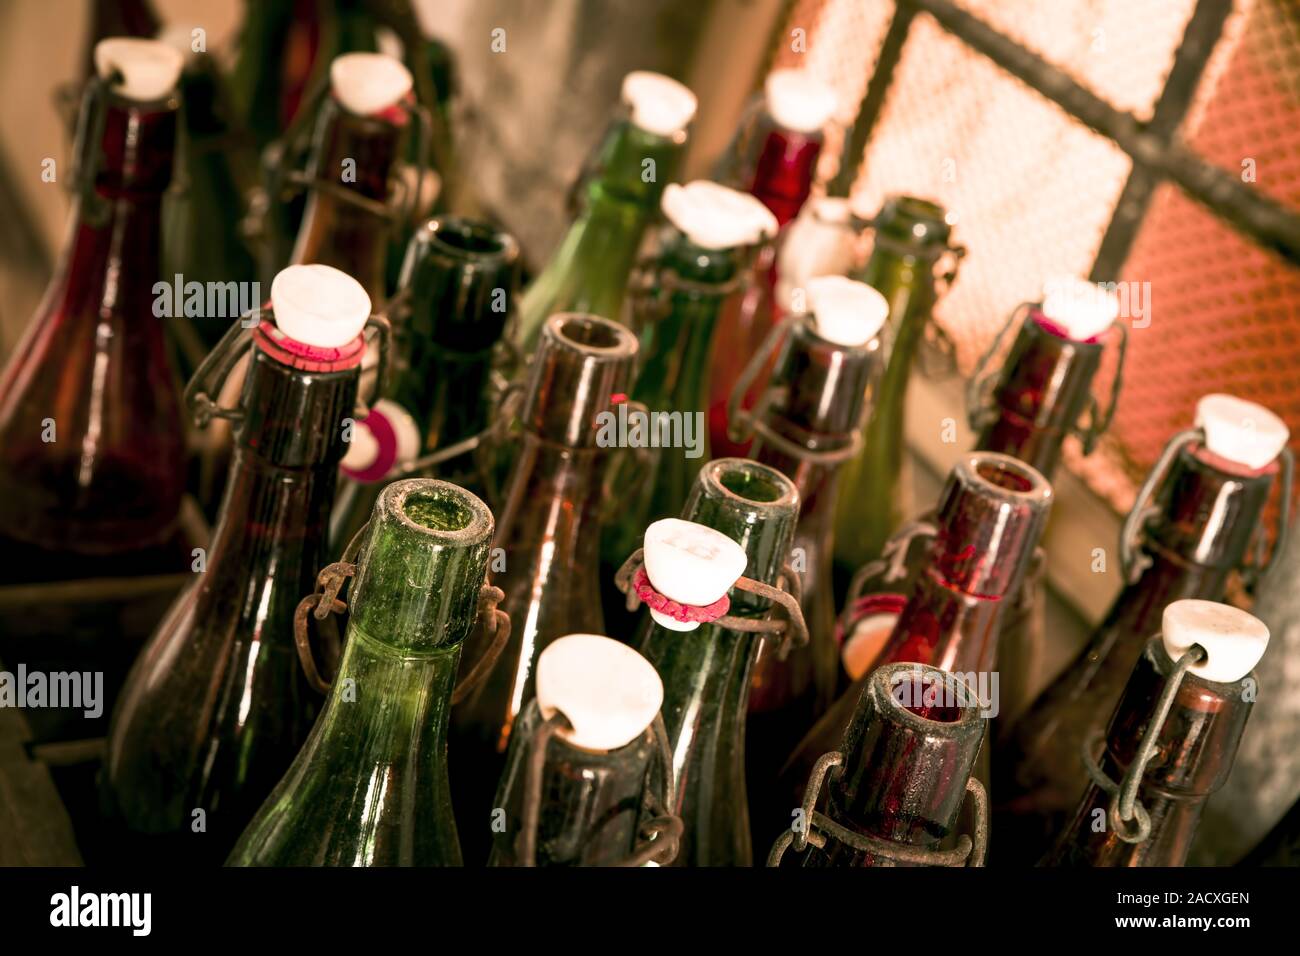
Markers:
1032,190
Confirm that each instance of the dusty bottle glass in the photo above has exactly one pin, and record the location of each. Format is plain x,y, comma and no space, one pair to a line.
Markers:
450,311
216,706
576,790
1191,743
620,196
773,156
1027,410
916,734
92,450
370,786
988,522
549,540
707,671
1191,528
911,236
808,425
700,268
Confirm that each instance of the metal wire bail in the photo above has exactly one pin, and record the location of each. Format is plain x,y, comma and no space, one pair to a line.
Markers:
1126,814
211,374
786,621
1133,560
817,828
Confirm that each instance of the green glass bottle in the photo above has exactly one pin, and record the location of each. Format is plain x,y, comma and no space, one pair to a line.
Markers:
576,790
369,787
910,236
639,156
702,263
706,671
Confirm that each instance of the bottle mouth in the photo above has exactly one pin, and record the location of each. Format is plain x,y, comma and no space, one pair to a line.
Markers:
750,483
471,239
592,334
925,697
439,509
1006,476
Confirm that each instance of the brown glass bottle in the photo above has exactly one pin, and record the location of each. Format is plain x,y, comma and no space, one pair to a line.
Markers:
1193,754
548,537
216,707
819,393
917,732
989,520
92,458
1202,521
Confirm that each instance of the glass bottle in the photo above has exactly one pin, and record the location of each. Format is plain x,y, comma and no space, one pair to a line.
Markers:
988,522
216,706
808,424
357,143
917,732
911,236
1039,398
700,268
370,786
1187,700
707,671
1192,527
92,449
775,157
576,789
639,156
548,538
450,311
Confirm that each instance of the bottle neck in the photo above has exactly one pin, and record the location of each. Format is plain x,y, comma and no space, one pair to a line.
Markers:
1045,384
591,800
905,779
356,153
783,175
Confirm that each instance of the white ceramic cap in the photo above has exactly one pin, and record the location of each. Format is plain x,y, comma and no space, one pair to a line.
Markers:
866,642
1082,309
846,312
609,692
367,83
364,449
716,217
659,104
820,242
690,563
319,305
150,69
799,101
1234,641
1241,431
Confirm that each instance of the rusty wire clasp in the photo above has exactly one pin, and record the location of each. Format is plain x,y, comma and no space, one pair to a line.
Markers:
659,837
744,424
788,625
325,601
1125,807
1133,557
816,828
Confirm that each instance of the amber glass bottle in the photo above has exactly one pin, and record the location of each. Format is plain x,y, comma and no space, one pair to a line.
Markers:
1171,740
808,425
92,451
549,540
1191,528
216,706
